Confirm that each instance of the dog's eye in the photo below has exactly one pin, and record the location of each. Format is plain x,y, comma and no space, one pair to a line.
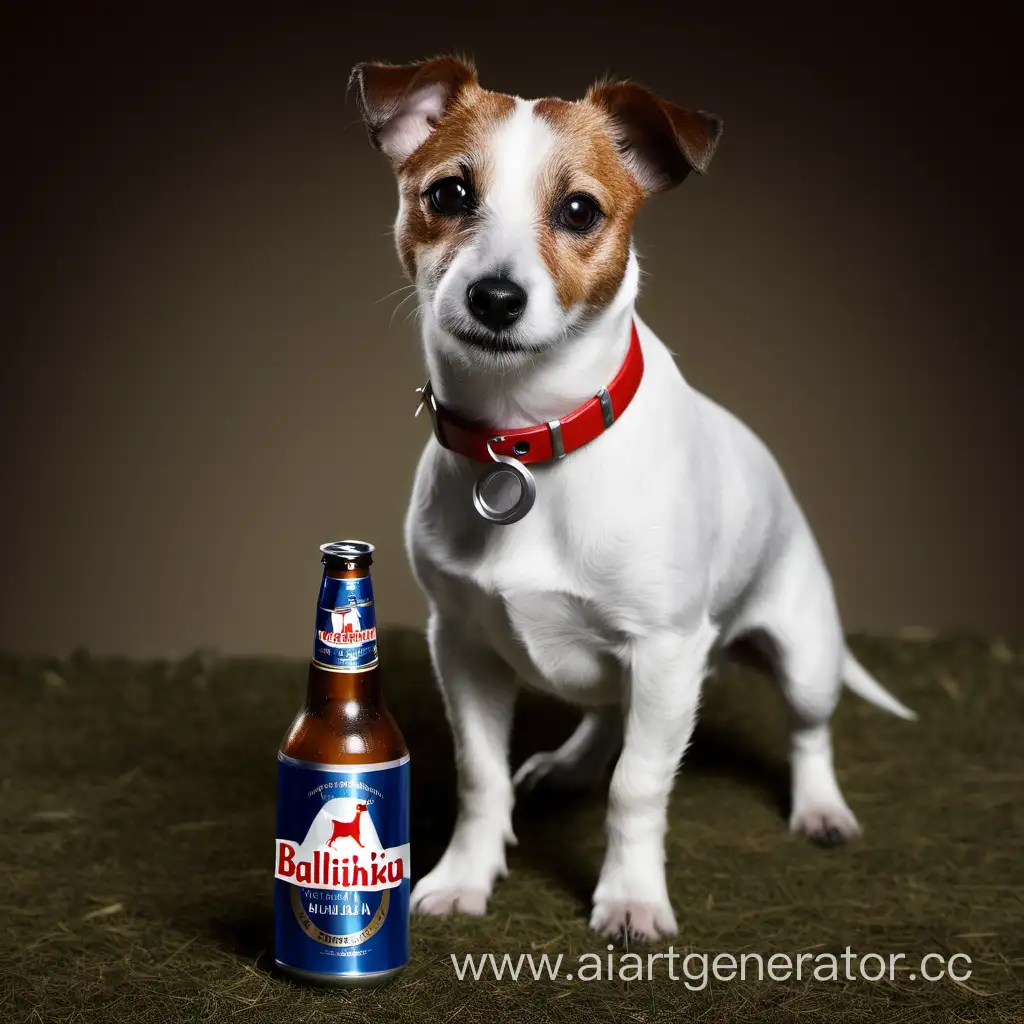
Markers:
579,213
450,196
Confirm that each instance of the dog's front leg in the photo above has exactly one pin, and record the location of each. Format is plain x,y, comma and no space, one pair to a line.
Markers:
479,691
663,689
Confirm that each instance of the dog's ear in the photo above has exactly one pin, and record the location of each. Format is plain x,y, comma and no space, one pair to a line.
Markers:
659,141
401,104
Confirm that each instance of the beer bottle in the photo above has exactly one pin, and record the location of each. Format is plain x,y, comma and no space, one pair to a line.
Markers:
341,879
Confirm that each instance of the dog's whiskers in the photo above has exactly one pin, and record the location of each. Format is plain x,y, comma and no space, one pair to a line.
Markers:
401,303
416,311
400,288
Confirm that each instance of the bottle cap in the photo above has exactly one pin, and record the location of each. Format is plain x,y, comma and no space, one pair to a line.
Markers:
346,554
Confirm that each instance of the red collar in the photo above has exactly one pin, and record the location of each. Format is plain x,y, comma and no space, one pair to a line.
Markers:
546,441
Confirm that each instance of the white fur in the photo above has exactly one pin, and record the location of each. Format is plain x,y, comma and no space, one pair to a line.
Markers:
647,550
505,242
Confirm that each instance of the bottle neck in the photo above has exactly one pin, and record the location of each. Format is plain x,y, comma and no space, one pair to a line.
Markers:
324,687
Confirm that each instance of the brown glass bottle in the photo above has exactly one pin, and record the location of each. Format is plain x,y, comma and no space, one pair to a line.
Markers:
344,719
342,878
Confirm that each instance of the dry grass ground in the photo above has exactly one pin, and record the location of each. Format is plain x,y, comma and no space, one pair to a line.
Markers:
136,839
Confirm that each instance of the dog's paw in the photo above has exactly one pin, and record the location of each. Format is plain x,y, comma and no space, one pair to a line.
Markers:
462,880
826,826
631,921
441,902
546,768
449,889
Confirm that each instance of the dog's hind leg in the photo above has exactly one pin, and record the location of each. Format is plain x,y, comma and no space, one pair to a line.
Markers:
802,624
818,809
580,762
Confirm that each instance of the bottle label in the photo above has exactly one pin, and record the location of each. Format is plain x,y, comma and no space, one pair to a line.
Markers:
341,874
346,625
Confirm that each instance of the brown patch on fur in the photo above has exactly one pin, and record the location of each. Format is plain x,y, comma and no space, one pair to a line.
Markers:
661,141
381,88
587,268
458,145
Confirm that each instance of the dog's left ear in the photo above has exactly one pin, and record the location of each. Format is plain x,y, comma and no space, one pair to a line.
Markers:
401,104
659,141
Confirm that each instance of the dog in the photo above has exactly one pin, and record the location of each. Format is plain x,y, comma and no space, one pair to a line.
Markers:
652,546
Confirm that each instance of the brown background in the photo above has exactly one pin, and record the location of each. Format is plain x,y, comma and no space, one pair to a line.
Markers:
202,379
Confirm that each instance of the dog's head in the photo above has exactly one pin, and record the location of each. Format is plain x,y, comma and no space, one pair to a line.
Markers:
515,217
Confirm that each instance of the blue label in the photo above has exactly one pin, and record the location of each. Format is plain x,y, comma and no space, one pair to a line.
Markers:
346,625
341,873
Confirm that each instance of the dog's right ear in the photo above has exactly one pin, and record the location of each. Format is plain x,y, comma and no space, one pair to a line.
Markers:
401,104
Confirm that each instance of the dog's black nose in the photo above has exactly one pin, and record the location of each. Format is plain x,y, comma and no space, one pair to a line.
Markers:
496,302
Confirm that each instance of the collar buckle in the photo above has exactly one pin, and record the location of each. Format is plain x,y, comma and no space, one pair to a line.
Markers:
429,402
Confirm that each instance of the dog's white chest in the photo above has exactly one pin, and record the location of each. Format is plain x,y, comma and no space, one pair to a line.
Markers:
530,606
557,642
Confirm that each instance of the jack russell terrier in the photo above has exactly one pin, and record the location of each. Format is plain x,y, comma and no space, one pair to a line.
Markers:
652,529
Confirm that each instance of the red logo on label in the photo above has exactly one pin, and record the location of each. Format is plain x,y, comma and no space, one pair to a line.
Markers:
347,828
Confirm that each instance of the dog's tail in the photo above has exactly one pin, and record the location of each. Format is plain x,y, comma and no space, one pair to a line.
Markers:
862,683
